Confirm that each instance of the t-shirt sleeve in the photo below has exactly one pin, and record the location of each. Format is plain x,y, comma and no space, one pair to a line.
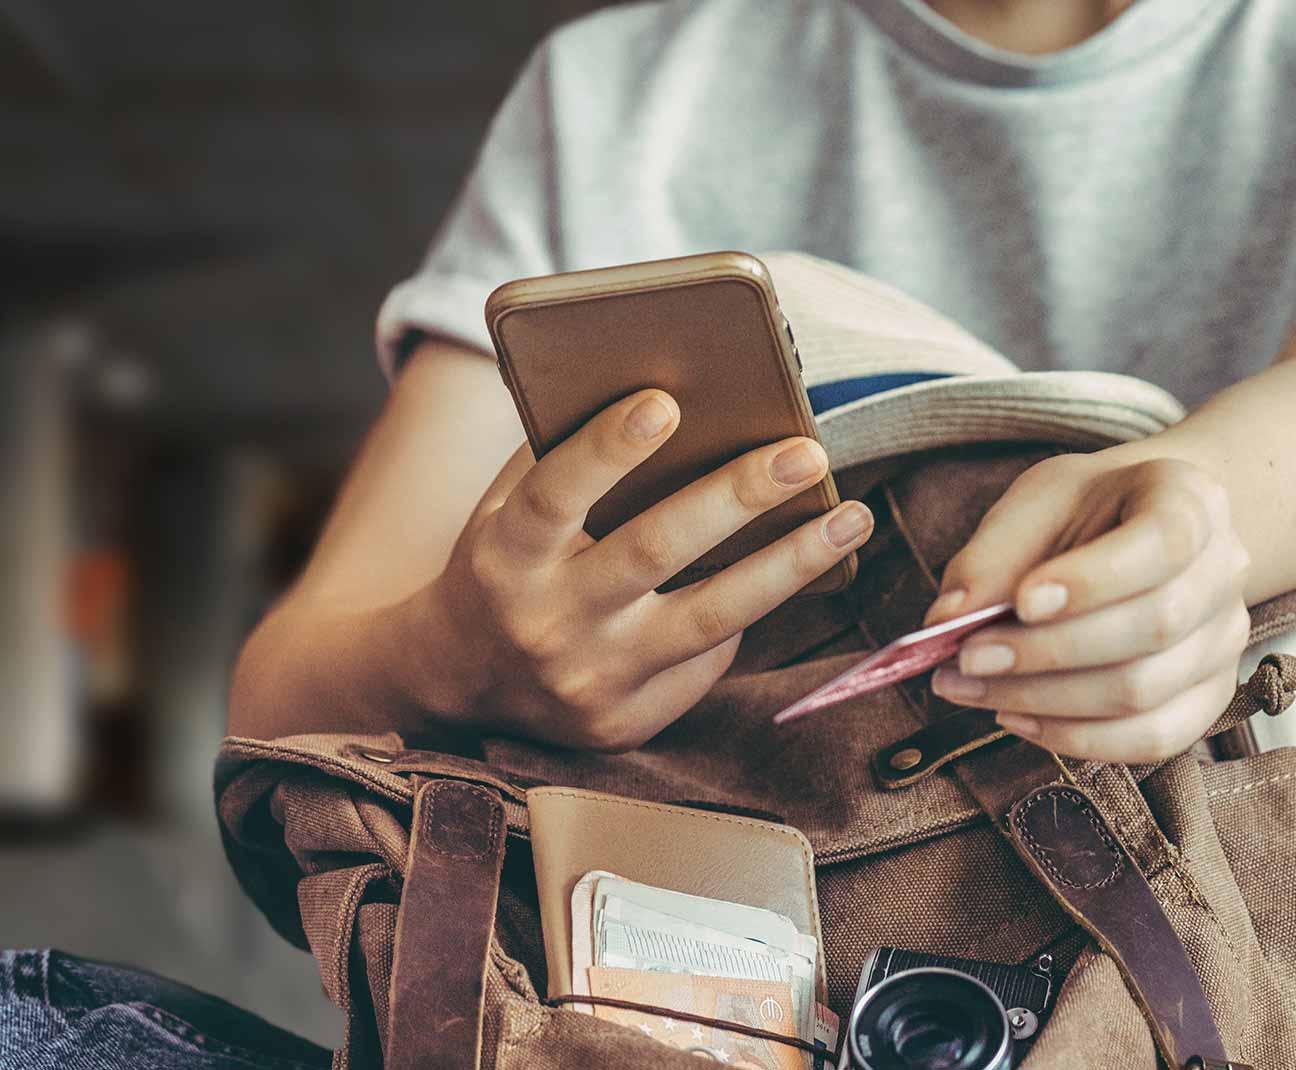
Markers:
501,226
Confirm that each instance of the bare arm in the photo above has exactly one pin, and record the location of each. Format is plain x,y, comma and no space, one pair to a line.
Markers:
1245,437
335,652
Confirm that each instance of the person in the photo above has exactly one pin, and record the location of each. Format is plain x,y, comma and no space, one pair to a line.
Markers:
1089,184
1084,184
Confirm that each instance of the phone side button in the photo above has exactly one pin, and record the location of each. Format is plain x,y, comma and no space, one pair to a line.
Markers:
792,338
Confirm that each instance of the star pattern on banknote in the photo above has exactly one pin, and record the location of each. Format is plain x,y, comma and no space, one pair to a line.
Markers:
697,1032
645,1028
722,1055
669,1025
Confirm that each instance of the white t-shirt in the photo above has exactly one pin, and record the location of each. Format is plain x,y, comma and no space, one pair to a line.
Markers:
1128,204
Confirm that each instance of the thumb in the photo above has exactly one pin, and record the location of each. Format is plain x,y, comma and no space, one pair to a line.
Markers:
1020,531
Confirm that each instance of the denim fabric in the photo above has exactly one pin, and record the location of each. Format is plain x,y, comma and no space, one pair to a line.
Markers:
59,1012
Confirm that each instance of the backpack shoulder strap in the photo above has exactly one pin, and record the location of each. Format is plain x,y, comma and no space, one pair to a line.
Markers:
444,927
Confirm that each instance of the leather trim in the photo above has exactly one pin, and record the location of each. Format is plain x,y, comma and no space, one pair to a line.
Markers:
1064,838
445,926
439,764
934,746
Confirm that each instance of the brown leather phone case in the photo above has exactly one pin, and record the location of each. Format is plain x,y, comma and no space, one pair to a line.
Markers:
700,852
708,330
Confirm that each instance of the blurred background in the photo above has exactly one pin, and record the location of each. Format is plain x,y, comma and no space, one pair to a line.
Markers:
201,208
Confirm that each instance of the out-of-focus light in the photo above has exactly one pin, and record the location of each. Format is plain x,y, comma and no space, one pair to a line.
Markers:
125,382
70,343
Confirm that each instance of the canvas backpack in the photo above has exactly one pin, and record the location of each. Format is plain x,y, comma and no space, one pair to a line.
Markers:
1162,892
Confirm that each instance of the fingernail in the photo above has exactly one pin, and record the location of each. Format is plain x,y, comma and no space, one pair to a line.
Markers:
1042,601
648,418
946,603
796,464
986,659
953,684
1020,725
848,524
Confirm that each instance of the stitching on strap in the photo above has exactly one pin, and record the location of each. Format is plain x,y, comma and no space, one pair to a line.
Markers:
1042,854
1239,789
425,823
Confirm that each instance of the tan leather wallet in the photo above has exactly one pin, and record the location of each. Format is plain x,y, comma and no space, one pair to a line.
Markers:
723,856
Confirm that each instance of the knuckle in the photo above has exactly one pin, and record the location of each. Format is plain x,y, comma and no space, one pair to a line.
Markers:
579,688
1168,617
541,503
1241,561
1182,532
1051,468
1158,740
805,554
1240,628
962,567
1041,654
536,638
1137,689
1159,468
612,735
1216,497
651,549
484,565
751,488
710,622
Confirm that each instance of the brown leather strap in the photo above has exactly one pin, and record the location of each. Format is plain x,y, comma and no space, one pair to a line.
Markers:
1008,779
921,753
444,927
1064,838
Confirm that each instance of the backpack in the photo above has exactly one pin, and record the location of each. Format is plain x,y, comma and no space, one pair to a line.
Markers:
1162,892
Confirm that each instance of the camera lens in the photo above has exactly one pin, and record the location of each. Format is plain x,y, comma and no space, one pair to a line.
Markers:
930,1018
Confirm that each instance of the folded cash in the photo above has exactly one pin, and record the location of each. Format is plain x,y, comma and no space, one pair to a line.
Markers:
765,1005
627,931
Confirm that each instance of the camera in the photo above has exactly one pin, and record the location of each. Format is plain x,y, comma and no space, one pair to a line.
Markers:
918,1011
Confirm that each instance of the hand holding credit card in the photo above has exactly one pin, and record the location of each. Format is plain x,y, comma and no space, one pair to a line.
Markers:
906,657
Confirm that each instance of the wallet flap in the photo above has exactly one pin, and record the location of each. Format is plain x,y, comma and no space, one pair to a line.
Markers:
700,852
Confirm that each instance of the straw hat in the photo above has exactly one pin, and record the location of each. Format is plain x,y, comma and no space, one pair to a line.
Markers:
888,376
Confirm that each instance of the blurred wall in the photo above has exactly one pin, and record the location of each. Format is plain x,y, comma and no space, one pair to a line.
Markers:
201,207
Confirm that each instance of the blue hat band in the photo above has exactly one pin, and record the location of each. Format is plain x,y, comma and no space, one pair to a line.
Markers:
827,396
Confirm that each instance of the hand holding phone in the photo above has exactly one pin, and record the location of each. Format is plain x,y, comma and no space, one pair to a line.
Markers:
566,638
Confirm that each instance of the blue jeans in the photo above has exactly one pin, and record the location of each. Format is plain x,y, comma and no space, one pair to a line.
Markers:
59,1012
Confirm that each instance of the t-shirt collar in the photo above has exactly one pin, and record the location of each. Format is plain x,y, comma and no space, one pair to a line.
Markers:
1140,29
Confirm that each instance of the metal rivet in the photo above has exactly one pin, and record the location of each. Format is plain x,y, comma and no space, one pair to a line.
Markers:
906,759
1023,1022
385,759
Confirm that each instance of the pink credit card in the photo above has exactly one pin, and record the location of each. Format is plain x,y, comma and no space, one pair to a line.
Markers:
908,656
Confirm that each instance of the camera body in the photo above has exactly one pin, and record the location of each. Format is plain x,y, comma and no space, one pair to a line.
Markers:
902,994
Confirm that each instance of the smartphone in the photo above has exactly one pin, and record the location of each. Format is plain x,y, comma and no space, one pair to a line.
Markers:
707,329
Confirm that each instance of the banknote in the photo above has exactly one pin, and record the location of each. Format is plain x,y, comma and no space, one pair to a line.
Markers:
753,922
765,1005
623,925
827,1029
631,937
582,918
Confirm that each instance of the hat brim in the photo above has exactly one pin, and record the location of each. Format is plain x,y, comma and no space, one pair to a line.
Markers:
1081,410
